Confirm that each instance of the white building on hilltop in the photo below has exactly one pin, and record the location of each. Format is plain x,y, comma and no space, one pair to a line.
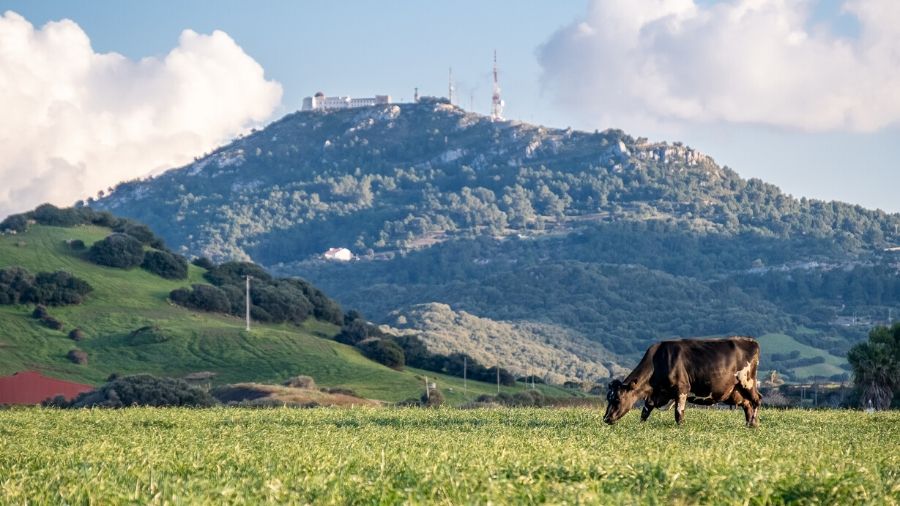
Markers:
320,102
338,255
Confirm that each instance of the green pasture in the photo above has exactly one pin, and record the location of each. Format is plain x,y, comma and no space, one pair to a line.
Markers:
444,456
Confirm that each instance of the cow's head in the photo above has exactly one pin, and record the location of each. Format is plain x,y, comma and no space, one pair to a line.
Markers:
620,397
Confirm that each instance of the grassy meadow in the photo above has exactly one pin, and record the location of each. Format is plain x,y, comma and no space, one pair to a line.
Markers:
126,300
389,456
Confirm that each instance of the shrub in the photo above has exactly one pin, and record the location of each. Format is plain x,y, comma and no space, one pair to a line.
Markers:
233,273
117,250
143,390
76,245
150,334
78,357
384,352
57,289
76,335
140,232
51,322
15,282
202,297
433,399
353,333
300,382
18,286
48,214
203,263
166,265
16,223
40,312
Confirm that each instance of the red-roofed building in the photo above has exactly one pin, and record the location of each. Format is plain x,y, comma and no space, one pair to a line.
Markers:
32,387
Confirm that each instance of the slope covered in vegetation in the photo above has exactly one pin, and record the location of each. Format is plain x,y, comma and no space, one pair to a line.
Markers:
614,238
127,325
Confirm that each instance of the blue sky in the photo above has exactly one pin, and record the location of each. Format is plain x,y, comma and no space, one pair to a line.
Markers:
363,48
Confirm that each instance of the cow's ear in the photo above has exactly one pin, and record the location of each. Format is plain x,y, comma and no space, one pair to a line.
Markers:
615,384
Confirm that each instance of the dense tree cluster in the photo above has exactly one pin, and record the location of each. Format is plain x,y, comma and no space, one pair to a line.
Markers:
139,390
19,286
272,299
383,351
50,215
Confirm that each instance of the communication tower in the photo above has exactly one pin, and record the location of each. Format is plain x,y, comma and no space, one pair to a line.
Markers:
496,101
451,90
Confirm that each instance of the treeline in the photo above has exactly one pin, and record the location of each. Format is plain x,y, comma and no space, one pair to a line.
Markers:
396,351
50,215
19,286
271,299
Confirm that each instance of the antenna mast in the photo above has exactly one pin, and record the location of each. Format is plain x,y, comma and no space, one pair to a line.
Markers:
496,102
451,90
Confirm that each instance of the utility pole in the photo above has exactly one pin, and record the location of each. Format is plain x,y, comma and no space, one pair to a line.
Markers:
498,377
427,393
247,303
465,379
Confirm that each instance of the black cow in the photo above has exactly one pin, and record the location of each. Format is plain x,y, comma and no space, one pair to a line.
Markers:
700,371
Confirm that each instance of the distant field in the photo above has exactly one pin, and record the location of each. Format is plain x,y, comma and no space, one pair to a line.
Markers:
387,456
783,343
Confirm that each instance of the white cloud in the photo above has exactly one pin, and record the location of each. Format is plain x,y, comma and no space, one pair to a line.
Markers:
73,121
654,62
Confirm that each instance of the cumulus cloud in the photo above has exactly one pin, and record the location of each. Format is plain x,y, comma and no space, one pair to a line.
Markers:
73,121
738,61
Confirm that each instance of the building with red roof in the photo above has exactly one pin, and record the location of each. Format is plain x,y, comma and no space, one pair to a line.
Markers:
32,387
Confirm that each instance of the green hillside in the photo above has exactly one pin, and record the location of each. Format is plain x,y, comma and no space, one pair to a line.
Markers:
602,236
125,300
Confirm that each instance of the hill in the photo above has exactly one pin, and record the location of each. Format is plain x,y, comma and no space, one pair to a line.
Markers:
115,316
610,237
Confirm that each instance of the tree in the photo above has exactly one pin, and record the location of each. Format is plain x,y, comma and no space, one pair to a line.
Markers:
117,250
17,223
383,351
202,297
876,366
165,264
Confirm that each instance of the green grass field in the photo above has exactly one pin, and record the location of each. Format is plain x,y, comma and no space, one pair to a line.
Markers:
125,300
783,343
389,456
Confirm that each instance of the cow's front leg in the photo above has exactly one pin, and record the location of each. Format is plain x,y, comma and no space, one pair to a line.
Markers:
645,413
679,408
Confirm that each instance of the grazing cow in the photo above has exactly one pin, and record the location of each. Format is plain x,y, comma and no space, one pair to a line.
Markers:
700,371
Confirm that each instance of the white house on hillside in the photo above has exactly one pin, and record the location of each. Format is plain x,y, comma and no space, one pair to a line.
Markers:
338,255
